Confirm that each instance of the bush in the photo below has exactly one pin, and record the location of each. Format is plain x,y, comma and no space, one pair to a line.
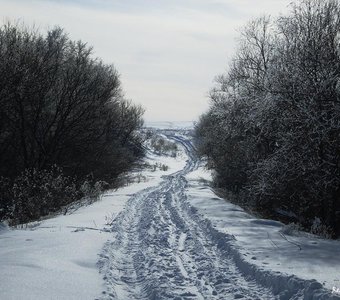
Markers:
92,190
35,193
162,146
59,106
272,131
320,229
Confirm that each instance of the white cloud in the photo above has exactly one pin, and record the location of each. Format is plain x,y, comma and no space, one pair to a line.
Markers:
168,51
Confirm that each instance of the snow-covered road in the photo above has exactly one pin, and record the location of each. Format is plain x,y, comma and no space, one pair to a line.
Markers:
169,237
163,249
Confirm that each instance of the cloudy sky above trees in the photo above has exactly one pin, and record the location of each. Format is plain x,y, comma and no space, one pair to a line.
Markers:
167,51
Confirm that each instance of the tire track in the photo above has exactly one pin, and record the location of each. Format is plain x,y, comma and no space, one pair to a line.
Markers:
162,249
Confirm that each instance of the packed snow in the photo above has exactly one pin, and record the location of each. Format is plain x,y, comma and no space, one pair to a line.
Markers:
57,258
166,236
267,243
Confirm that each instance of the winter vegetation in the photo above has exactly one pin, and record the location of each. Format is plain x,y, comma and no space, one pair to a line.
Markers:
208,248
66,130
163,146
272,133
96,205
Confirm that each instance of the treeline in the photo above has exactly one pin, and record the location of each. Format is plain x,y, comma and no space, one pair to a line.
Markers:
64,122
272,132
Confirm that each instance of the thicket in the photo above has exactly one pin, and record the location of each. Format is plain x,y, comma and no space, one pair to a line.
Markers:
163,146
64,122
272,132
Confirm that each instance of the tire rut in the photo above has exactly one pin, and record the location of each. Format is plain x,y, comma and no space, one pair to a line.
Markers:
163,249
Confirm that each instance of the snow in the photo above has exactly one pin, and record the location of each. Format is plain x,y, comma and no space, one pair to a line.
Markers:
264,243
162,249
166,236
3,227
170,125
57,258
200,174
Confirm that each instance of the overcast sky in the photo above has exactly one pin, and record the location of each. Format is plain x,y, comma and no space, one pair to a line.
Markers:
167,51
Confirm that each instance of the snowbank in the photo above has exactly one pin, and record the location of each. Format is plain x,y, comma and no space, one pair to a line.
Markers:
291,263
3,227
57,258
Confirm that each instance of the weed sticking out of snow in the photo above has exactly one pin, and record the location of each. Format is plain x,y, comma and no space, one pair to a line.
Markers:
336,290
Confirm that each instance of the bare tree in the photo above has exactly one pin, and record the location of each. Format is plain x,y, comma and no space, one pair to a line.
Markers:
274,120
61,106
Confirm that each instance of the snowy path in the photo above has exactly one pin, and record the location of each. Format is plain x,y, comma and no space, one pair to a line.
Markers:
163,249
172,238
57,258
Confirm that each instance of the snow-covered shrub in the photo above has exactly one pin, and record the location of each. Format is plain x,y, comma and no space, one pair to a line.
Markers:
100,186
37,192
164,167
91,190
86,188
163,146
141,178
161,167
320,229
291,228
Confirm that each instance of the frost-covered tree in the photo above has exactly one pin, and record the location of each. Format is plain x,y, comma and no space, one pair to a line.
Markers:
279,126
61,106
